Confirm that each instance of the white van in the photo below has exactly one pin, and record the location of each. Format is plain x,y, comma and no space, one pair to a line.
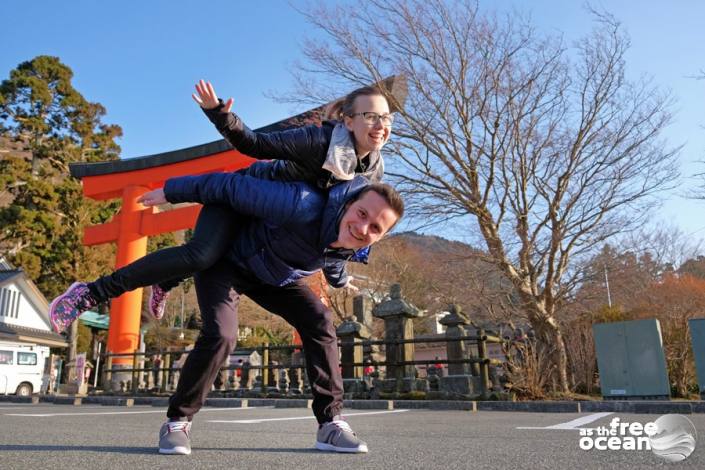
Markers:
22,369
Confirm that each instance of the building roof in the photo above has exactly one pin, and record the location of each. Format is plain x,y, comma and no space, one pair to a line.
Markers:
6,275
22,334
36,300
5,265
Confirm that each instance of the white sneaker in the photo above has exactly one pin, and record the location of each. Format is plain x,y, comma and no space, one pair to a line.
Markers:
337,436
175,438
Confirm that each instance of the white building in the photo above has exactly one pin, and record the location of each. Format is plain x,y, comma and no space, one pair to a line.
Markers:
24,312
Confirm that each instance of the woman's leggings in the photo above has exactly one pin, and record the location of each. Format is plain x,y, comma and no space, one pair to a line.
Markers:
212,237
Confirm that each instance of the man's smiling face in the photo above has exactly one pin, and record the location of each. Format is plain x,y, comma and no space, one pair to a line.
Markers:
365,222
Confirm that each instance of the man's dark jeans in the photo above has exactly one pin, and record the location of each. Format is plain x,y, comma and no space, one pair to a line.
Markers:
218,290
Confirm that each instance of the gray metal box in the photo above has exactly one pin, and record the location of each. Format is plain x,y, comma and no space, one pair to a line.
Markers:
630,360
697,336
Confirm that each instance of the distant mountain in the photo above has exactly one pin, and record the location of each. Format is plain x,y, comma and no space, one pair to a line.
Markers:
434,243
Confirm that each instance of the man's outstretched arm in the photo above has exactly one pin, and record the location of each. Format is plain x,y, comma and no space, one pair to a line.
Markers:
272,200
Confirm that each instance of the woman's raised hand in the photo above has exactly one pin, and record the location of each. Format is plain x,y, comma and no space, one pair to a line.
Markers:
207,99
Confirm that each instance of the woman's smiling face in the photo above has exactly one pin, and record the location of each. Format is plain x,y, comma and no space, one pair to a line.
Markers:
368,137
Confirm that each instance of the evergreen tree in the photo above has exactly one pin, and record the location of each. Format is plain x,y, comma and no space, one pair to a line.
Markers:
50,125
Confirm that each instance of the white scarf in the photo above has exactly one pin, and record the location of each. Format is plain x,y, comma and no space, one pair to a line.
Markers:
342,160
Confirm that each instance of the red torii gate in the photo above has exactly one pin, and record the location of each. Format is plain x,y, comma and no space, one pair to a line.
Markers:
129,179
134,223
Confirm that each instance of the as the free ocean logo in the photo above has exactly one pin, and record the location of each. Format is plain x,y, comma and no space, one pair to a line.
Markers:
671,437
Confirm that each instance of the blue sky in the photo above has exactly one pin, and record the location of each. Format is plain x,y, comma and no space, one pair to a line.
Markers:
141,59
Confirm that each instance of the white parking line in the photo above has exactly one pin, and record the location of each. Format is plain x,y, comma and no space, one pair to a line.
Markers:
574,424
257,421
45,415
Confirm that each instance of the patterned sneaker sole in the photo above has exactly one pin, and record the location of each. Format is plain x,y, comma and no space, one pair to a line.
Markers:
54,326
349,450
155,317
150,310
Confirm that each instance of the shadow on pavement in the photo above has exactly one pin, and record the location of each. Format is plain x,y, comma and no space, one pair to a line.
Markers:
59,448
296,450
144,450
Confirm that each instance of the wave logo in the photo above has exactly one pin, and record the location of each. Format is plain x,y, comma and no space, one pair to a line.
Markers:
674,439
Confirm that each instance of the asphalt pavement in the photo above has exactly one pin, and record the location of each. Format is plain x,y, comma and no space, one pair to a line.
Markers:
93,436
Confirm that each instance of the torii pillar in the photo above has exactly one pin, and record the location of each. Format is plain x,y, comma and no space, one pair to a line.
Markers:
130,228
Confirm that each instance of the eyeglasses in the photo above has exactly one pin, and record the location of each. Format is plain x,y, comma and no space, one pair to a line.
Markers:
371,118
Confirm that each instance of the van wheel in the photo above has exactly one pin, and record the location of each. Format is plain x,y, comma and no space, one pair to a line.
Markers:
24,390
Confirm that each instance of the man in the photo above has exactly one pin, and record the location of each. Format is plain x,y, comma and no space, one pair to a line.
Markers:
293,231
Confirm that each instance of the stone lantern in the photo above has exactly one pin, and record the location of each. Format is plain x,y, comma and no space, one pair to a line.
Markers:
398,325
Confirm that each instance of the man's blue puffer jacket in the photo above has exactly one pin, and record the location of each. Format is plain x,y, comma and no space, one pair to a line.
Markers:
291,228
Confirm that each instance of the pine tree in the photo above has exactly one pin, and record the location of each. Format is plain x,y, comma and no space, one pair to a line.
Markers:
49,125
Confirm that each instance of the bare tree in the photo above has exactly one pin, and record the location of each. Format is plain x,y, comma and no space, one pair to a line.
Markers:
549,149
